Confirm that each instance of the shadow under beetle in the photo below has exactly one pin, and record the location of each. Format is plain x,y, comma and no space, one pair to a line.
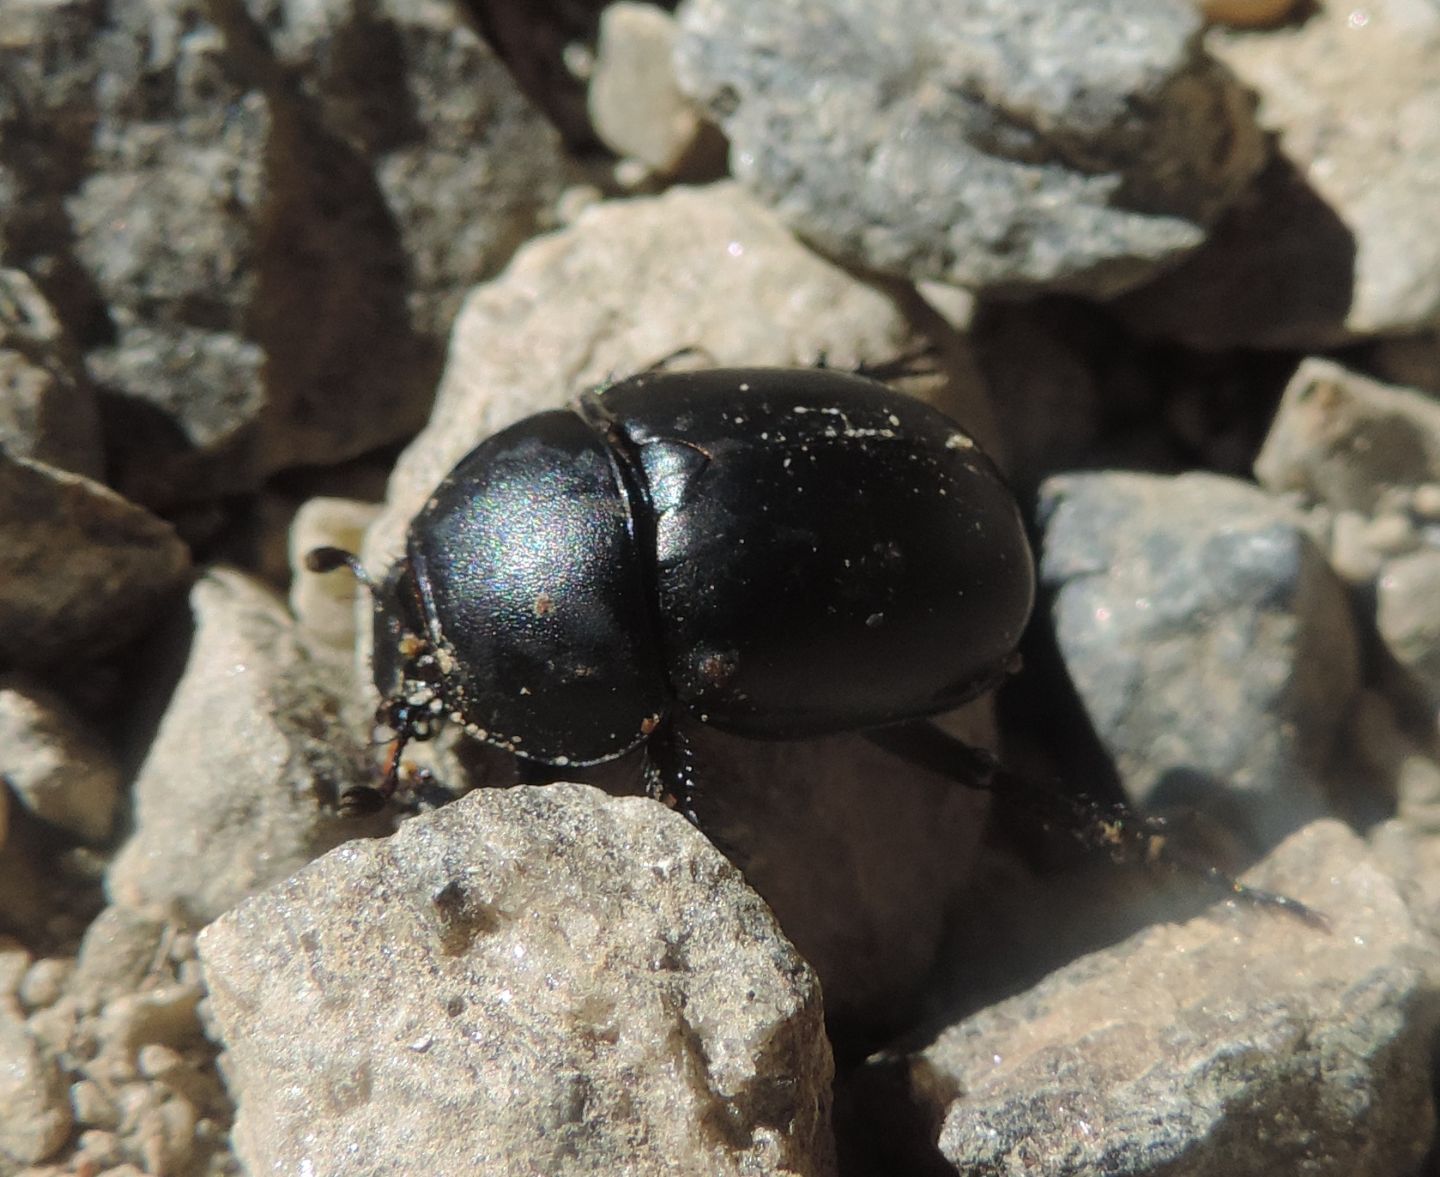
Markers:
777,553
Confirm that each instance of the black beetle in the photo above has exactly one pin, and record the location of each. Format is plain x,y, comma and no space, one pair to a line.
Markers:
778,553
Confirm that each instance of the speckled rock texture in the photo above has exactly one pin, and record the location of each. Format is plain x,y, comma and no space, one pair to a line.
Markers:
570,984
1002,146
1183,1050
1209,641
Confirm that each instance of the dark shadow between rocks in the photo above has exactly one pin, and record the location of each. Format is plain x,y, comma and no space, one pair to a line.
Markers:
1278,271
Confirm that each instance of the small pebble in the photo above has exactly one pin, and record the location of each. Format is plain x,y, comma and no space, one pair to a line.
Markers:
14,963
1391,535
99,1149
1351,555
164,1015
156,1061
1425,501
92,1107
45,982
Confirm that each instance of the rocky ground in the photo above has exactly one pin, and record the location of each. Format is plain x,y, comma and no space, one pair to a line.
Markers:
268,268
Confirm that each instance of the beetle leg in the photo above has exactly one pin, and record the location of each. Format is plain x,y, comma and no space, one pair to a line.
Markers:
919,361
1128,836
669,769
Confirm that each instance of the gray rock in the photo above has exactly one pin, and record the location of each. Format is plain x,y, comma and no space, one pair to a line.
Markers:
1397,765
1407,617
274,209
47,407
34,1108
1350,442
117,955
87,570
1238,1043
635,104
533,979
1324,252
1207,638
1006,146
238,788
60,770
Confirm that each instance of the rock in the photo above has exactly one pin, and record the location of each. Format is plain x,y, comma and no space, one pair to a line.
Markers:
568,983
1322,253
258,219
47,407
58,768
238,788
636,106
1237,1043
1408,620
1395,766
34,1111
46,981
89,570
129,1045
1208,640
117,955
1349,441
164,1014
1004,146
15,962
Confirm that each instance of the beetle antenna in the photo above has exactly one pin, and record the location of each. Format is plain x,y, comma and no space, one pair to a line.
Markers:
327,559
1127,835
918,361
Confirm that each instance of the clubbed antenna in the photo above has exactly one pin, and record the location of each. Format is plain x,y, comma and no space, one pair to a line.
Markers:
328,559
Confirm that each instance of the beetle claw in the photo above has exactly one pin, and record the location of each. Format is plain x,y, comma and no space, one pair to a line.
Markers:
361,801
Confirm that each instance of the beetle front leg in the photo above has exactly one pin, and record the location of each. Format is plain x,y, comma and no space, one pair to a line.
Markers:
1128,836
